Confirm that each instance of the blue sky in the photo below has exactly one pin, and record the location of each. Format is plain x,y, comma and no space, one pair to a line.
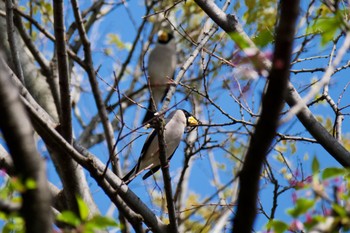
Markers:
200,181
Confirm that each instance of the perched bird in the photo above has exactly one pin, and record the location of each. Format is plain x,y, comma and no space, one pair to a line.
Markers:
174,128
161,69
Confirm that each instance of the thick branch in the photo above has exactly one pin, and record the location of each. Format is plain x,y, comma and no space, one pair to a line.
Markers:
12,40
335,149
18,135
44,125
63,71
329,143
6,162
266,128
40,58
70,172
110,183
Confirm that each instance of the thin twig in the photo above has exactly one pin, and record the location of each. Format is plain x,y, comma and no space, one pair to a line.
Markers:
108,130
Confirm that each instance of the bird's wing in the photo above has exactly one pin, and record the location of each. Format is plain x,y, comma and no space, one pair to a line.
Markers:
130,176
150,113
155,169
148,142
173,153
151,172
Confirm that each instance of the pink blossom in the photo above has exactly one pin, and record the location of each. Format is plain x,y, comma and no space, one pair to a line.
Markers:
296,226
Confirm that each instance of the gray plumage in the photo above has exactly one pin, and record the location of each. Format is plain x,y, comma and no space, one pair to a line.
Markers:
174,129
161,68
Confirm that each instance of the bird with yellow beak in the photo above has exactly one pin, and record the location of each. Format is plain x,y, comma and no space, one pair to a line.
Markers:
174,129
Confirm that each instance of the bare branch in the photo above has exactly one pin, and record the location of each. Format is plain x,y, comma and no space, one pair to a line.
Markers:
110,183
265,130
18,134
108,130
332,146
12,40
63,71
164,164
72,175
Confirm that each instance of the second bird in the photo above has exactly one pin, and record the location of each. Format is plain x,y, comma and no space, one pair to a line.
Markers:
161,69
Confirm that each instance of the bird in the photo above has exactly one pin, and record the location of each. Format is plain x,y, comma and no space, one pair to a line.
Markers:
161,69
174,129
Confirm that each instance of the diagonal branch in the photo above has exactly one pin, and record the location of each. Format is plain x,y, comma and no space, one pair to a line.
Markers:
108,130
18,135
71,174
230,24
70,52
110,183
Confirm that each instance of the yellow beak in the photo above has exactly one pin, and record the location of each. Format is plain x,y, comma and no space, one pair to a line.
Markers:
193,121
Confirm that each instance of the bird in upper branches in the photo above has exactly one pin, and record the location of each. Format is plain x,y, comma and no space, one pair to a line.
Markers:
161,69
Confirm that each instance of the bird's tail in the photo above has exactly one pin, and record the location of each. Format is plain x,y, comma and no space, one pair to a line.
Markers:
130,176
149,114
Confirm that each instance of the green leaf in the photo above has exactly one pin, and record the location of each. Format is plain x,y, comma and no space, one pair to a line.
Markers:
340,210
327,27
293,148
83,209
315,219
68,217
241,42
302,205
17,185
3,216
117,41
15,224
331,172
315,166
264,38
48,7
101,222
277,226
30,184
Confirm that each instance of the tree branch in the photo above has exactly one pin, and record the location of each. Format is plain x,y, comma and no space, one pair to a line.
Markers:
12,40
110,183
72,55
63,71
333,147
265,131
164,164
42,61
71,174
9,207
6,162
18,135
44,125
108,130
